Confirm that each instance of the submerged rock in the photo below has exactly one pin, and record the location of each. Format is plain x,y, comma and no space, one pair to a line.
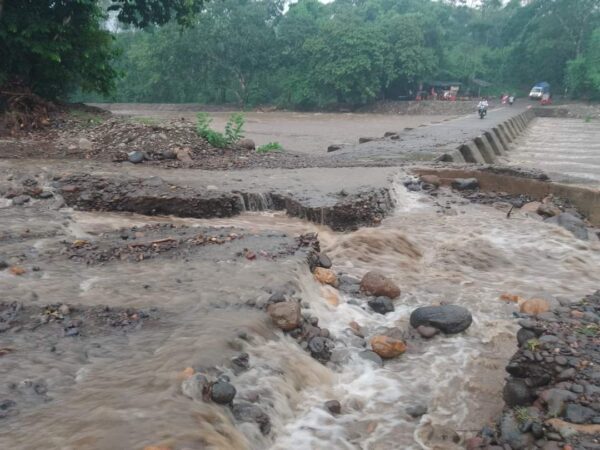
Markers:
416,410
247,412
320,348
570,222
371,356
324,261
382,305
326,276
333,406
195,386
449,319
285,315
378,285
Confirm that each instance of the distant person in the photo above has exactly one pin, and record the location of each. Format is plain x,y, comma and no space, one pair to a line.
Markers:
511,100
483,104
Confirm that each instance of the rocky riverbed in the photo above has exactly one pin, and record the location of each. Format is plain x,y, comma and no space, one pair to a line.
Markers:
553,389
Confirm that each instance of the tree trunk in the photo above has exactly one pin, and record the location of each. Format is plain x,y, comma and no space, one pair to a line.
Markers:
1,7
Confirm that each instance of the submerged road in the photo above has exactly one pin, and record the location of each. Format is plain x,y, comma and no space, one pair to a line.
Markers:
427,143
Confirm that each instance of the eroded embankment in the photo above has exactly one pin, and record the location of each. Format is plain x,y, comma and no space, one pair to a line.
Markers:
154,196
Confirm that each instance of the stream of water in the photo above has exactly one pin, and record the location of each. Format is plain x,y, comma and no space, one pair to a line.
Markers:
123,391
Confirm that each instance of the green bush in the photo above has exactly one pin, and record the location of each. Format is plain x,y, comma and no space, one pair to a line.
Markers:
270,147
234,130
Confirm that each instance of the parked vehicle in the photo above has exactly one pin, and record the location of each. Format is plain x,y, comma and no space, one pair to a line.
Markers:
539,90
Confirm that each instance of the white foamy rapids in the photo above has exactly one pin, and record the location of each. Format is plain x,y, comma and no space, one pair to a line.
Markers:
470,258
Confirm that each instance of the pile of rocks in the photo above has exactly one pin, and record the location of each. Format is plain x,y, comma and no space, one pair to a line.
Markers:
552,394
215,386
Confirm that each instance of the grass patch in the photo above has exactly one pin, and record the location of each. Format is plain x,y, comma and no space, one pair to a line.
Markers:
522,414
588,330
533,344
234,130
587,119
270,147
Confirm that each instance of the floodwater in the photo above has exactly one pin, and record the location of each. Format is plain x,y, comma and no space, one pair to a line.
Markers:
308,133
123,391
568,150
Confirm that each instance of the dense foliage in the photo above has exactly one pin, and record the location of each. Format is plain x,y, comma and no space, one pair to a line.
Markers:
304,55
57,46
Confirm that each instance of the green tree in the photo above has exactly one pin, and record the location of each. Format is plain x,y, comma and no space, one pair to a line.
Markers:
56,46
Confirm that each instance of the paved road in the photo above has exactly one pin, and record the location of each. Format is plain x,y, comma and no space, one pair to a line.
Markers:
426,143
568,150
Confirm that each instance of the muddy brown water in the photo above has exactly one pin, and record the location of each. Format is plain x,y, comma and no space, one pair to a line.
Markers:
308,133
122,390
568,150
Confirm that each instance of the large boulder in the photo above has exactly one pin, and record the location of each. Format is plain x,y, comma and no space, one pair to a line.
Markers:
574,224
449,319
378,285
285,315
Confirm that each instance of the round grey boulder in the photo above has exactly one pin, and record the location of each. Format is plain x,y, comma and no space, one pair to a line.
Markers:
449,319
222,392
135,157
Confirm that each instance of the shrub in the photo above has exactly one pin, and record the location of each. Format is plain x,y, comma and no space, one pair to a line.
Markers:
233,130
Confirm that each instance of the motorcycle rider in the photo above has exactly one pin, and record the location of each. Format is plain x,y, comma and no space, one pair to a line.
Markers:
483,105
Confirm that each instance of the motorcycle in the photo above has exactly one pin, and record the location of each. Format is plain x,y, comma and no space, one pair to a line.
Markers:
482,112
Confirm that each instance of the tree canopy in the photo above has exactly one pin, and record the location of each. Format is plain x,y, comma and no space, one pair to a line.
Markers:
305,54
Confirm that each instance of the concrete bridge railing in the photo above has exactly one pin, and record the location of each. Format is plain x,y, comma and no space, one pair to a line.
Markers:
493,143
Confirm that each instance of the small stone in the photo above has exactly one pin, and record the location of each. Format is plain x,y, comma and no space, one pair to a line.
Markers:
567,374
334,147
247,144
324,261
64,310
135,157
326,276
333,406
371,356
222,392
3,264
463,184
524,335
516,393
427,332
416,411
378,285
320,348
381,305
387,347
